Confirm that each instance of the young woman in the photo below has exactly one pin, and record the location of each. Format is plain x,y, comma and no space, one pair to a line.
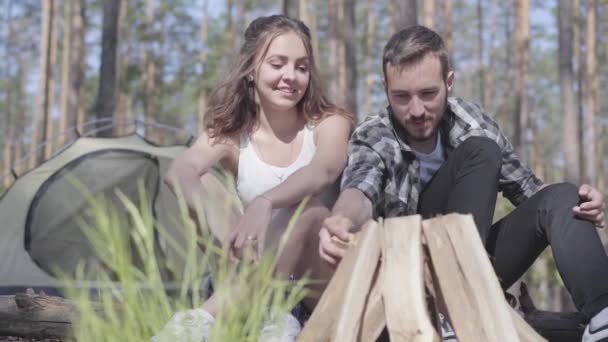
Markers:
271,126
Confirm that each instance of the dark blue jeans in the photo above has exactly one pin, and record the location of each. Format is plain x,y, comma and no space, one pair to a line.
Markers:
468,183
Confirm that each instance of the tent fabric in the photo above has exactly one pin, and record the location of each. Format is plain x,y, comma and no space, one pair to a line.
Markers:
38,211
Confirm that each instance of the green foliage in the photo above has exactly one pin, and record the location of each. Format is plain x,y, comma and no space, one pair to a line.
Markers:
135,298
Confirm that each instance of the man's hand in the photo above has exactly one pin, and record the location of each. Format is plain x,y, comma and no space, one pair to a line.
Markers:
334,237
591,206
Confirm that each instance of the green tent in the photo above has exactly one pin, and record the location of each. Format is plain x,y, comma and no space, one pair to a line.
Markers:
40,211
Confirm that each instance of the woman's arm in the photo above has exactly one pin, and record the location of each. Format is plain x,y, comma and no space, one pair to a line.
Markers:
326,166
187,168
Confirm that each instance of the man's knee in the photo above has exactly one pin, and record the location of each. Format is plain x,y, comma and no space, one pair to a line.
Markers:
564,194
484,150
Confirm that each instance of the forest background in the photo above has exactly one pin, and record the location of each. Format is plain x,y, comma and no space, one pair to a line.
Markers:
537,67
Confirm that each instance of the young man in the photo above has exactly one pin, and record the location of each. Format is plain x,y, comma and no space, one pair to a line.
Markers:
429,154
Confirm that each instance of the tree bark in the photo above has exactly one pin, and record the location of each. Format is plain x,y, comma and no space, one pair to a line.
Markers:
332,32
370,38
429,13
106,97
480,52
570,122
64,118
404,13
521,119
591,97
579,67
291,8
122,119
149,76
350,56
8,131
78,63
202,96
448,31
41,115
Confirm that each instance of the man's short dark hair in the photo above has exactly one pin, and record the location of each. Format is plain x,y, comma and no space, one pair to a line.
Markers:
411,45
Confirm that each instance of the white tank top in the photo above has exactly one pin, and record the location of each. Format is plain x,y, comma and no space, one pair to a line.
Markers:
255,176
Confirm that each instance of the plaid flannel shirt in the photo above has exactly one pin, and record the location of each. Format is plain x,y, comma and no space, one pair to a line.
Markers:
386,170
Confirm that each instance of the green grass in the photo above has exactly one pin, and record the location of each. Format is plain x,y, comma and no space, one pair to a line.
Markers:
133,303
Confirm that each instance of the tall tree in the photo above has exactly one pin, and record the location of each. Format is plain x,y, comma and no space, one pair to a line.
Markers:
291,8
105,104
370,37
43,97
404,13
490,71
202,99
429,13
480,51
123,115
521,77
150,99
66,51
570,122
333,19
72,67
449,30
8,125
578,76
308,14
350,56
591,97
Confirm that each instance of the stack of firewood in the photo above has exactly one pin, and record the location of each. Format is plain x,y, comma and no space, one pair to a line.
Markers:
401,272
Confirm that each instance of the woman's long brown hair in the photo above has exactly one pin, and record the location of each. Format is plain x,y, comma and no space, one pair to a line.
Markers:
232,106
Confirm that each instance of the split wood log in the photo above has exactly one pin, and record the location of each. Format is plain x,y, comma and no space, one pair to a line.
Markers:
475,302
338,314
373,321
404,297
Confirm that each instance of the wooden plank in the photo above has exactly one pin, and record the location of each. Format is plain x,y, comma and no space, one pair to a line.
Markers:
338,314
373,321
403,281
475,302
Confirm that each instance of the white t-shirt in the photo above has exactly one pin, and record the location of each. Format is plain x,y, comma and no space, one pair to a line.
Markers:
430,163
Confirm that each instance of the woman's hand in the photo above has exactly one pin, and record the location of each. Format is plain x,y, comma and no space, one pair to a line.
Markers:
250,233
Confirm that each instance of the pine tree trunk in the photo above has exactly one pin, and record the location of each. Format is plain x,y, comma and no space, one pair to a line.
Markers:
291,8
521,78
350,56
202,96
591,97
579,66
404,13
480,52
76,100
490,102
448,32
332,32
121,121
570,122
64,119
105,105
149,76
40,115
369,62
50,124
429,13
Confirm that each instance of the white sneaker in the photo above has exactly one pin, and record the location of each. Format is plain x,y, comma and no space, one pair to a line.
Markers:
190,325
283,329
598,335
447,332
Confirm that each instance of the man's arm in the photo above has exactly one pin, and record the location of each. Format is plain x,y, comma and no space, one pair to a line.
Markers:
351,211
